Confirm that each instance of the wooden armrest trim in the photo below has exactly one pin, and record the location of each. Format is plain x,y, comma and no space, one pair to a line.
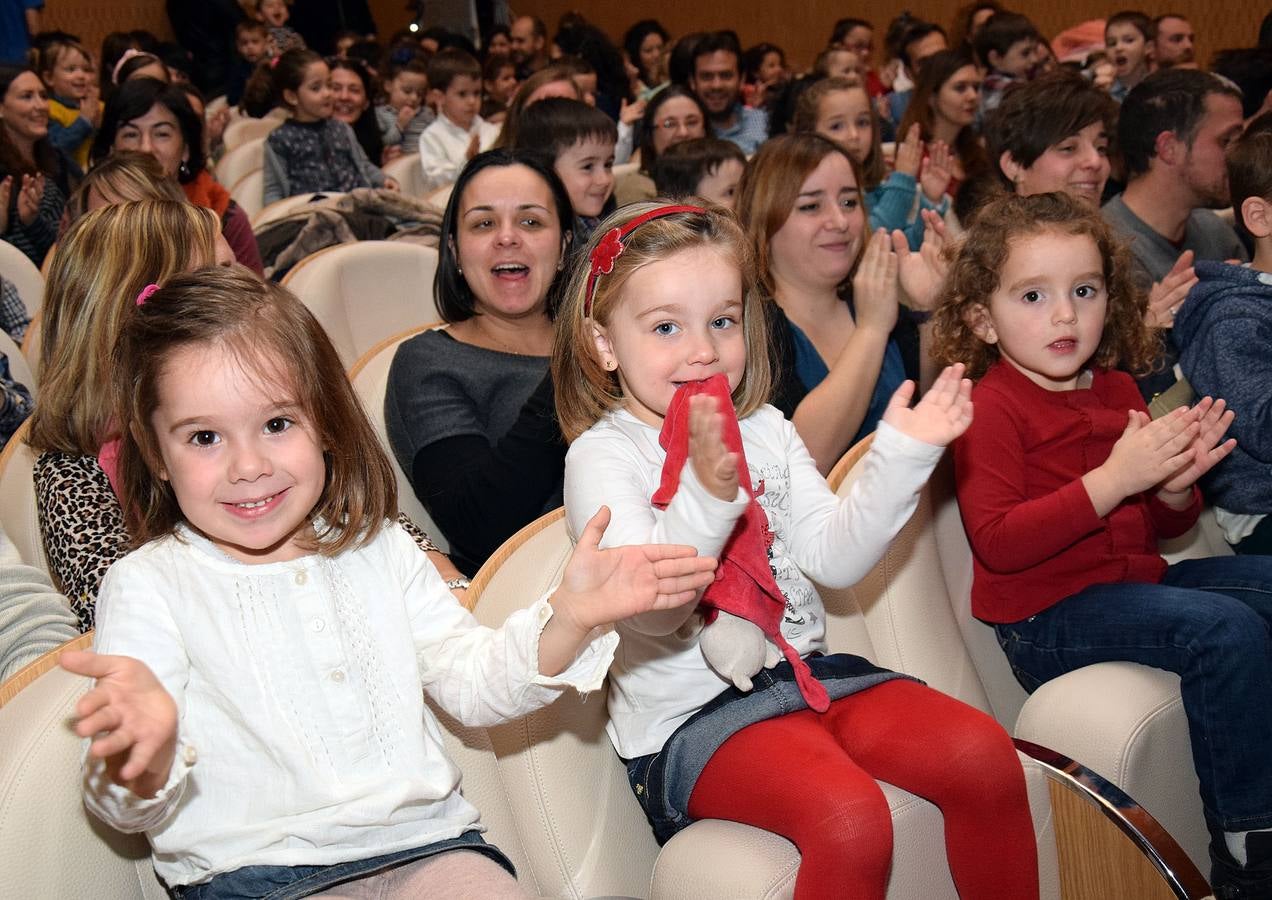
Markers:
1147,834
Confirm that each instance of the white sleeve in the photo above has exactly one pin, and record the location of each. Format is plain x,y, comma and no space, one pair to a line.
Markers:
623,147
485,676
133,619
438,167
835,541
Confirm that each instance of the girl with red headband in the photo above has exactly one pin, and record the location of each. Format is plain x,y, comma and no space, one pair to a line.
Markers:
661,375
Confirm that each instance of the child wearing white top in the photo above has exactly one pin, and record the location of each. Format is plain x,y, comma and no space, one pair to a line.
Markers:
458,133
258,708
661,374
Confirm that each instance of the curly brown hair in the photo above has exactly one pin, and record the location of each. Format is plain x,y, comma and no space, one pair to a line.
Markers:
975,264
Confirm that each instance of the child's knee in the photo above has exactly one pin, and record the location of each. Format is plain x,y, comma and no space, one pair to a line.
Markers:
854,824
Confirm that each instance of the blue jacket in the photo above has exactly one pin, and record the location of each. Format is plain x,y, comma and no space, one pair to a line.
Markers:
1224,332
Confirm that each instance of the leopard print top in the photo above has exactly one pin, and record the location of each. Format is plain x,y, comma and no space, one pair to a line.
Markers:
82,524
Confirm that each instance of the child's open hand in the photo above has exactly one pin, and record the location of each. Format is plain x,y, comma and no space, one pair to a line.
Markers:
1208,447
942,415
713,464
133,719
922,274
936,171
910,152
604,586
1148,452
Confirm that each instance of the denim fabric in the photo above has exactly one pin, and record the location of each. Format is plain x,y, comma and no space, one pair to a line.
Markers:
292,882
1208,621
663,781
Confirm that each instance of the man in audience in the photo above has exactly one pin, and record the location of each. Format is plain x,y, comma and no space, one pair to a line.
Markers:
920,40
529,38
716,80
1173,42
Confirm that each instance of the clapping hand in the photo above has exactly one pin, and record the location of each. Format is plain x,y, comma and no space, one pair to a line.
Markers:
937,171
922,274
6,190
1167,295
631,113
129,715
715,467
29,196
875,287
910,153
1207,448
941,415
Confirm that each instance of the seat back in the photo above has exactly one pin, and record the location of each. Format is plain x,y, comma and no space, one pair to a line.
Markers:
439,197
18,515
244,129
366,292
49,844
249,192
17,267
409,174
19,369
370,377
584,832
242,159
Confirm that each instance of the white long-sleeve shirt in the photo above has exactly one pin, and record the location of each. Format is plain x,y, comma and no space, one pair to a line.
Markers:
304,738
444,147
659,680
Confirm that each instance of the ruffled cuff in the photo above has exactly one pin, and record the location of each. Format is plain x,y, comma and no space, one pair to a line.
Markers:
591,664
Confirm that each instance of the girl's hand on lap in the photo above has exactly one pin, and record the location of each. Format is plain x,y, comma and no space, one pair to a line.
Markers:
604,586
713,464
910,152
875,287
941,415
1213,420
132,719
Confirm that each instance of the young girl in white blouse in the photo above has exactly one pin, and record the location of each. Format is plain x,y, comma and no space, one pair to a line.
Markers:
661,376
258,708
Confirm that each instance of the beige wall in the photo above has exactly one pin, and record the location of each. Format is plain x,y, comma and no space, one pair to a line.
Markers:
799,26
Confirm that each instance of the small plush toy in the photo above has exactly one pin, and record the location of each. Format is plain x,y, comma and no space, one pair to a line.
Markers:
743,607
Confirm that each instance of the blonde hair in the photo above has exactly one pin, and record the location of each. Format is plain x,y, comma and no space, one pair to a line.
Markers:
104,261
275,338
122,176
585,390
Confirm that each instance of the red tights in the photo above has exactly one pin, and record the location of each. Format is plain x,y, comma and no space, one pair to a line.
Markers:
820,790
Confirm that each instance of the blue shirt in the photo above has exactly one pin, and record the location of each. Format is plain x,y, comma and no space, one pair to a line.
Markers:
749,129
811,370
14,39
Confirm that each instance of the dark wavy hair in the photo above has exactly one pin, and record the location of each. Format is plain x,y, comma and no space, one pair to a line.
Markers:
975,270
137,97
451,293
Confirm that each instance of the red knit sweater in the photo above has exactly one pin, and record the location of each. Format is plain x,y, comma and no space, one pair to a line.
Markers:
1034,533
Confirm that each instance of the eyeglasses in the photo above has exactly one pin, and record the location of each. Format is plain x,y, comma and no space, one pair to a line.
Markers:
689,124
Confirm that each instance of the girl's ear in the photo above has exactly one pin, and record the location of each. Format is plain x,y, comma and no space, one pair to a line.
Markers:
604,348
291,98
978,319
1012,169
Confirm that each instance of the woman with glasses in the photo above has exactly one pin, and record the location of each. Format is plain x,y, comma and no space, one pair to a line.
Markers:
674,114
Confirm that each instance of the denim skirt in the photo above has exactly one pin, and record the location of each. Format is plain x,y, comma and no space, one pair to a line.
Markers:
664,781
293,882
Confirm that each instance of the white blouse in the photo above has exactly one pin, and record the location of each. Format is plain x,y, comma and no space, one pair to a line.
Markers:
304,737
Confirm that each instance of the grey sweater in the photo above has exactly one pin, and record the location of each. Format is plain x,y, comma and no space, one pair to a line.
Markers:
34,618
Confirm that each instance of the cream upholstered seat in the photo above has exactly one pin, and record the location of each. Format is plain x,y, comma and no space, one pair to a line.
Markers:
18,514
409,174
365,292
244,129
439,197
370,377
249,192
17,267
238,162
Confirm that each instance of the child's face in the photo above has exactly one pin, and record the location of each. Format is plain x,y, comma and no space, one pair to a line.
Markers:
1128,47
587,171
677,320
844,117
721,186
1077,166
821,238
460,101
1020,59
71,76
771,68
587,87
843,64
407,89
251,45
312,100
1047,314
503,86
499,44
274,13
245,463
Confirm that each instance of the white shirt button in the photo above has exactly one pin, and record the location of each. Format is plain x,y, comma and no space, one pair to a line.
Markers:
338,676
301,577
317,625
190,755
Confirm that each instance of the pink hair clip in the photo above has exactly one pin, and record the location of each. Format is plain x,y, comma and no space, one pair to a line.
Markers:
127,55
146,293
611,247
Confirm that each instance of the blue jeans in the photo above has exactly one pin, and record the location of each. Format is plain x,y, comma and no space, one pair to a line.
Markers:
1208,621
293,882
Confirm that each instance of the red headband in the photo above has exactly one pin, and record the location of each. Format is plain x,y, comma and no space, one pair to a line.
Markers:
611,246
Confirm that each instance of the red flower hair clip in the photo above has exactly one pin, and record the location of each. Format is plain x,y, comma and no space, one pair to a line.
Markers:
612,245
